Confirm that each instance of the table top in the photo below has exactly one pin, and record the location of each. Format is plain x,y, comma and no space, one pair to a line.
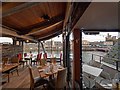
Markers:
92,70
45,70
7,67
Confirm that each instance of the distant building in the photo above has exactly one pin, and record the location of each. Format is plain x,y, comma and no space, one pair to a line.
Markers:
95,44
108,43
85,43
53,45
109,39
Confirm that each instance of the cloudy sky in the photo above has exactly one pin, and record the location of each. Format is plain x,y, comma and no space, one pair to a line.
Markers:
91,38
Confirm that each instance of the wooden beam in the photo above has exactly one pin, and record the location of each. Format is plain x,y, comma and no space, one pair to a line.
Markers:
51,36
77,12
45,25
13,33
19,8
68,13
49,33
38,31
77,62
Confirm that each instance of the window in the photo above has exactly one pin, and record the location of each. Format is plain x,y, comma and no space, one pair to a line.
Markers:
6,40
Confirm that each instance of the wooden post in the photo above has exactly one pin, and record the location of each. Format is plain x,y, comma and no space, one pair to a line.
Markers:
38,47
14,42
77,57
22,47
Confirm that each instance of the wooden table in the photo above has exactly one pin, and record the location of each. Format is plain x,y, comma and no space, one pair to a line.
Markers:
7,68
45,70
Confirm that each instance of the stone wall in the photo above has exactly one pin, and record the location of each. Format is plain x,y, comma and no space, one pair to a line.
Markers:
10,50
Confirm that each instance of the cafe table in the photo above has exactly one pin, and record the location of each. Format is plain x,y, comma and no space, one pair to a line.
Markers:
7,68
45,71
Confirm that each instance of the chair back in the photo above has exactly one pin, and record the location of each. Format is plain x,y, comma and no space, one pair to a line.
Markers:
39,56
60,57
4,60
61,79
53,60
31,77
25,54
14,60
43,62
19,56
45,56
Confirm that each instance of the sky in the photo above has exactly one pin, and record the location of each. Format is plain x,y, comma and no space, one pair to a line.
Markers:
91,38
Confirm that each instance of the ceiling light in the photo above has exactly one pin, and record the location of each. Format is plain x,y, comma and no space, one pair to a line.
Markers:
46,17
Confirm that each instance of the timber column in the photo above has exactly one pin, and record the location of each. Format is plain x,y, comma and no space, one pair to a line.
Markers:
77,57
38,47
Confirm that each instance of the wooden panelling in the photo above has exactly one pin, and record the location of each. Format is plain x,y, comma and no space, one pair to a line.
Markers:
6,6
32,15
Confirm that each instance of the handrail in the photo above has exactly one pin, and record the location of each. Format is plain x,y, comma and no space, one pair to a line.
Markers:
114,59
104,57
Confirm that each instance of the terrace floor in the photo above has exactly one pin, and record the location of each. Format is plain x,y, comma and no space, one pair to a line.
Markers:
21,81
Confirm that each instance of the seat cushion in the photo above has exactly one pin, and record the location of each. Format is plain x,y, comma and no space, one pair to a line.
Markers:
40,81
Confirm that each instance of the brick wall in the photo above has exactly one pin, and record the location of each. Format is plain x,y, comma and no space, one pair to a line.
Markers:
10,50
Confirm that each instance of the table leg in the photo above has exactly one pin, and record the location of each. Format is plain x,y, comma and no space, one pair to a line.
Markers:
8,77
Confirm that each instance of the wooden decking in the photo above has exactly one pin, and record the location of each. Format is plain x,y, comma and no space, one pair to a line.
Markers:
21,81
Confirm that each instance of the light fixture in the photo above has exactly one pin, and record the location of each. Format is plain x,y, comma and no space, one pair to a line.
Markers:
27,41
46,17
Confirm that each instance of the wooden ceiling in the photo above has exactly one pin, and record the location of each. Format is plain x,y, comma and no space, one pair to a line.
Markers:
27,18
39,20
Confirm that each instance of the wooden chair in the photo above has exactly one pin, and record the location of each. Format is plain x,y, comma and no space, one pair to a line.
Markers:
37,81
37,60
43,62
14,60
45,56
4,60
21,61
5,78
53,60
60,81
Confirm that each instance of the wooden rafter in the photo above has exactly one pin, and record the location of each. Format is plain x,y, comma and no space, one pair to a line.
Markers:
68,12
51,35
19,8
49,24
13,33
42,29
